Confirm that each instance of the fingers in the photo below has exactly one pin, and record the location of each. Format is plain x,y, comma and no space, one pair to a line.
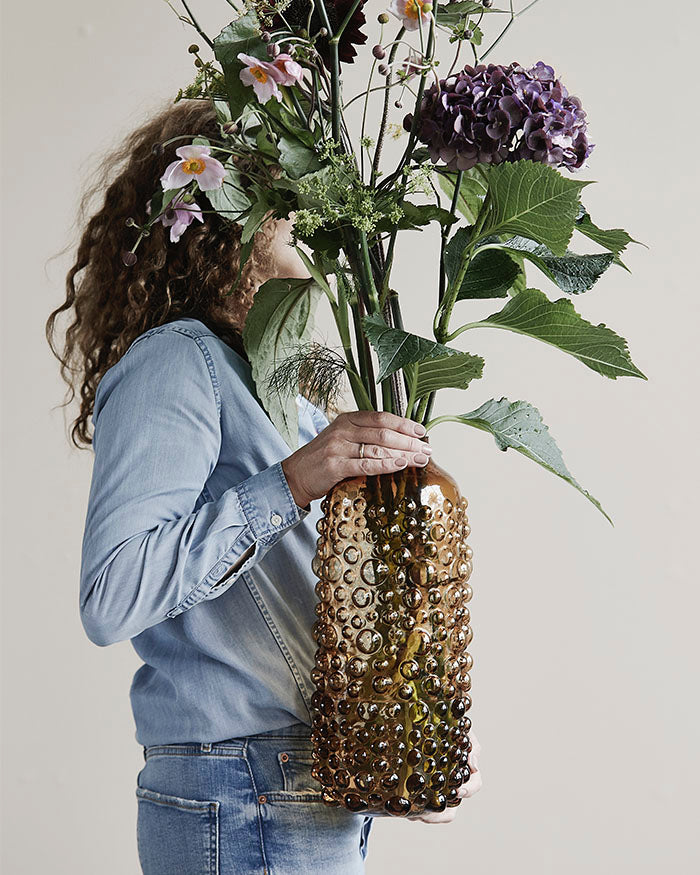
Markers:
368,467
371,419
387,438
474,784
446,816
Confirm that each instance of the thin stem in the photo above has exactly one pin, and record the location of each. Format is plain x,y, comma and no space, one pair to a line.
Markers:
337,35
385,111
196,26
439,419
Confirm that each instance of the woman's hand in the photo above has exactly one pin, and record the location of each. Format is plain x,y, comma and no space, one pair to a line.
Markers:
472,786
390,443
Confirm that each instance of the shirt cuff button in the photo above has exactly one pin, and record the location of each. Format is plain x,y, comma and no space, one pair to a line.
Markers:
276,519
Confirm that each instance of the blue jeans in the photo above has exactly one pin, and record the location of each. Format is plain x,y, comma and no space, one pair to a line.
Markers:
244,806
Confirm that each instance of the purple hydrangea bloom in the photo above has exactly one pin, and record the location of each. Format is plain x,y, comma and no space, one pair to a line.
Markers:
490,114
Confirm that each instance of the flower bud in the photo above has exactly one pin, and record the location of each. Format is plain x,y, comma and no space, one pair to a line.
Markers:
230,127
273,50
265,36
427,7
128,257
468,34
323,32
378,52
157,148
398,104
383,70
487,3
383,18
130,222
193,49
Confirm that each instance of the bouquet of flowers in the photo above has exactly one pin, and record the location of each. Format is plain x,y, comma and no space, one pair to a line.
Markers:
489,156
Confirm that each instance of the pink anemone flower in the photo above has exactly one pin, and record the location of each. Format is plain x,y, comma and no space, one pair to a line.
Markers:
411,13
178,215
263,76
289,68
195,163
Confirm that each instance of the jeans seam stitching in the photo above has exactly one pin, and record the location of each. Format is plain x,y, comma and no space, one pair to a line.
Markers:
257,805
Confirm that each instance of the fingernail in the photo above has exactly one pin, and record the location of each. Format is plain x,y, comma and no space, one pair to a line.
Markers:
420,459
427,449
400,463
419,429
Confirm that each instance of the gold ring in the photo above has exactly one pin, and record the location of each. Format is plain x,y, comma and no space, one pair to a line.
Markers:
362,451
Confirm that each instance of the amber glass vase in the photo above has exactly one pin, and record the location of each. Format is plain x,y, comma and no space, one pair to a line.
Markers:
392,676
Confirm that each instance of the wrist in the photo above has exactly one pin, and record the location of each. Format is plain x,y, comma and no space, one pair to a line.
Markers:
301,497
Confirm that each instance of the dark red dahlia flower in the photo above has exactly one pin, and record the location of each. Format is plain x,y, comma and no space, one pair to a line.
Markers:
296,15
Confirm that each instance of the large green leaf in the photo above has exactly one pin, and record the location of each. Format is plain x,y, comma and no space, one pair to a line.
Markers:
280,320
296,158
571,272
453,371
472,191
615,240
518,425
490,273
533,200
556,322
398,349
231,200
242,35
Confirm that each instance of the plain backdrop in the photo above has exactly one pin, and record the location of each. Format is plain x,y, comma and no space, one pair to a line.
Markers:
585,647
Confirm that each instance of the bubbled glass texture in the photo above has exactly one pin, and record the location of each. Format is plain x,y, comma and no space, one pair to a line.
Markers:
389,721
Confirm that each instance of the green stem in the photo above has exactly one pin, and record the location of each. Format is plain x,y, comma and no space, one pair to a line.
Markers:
337,35
447,305
439,419
335,70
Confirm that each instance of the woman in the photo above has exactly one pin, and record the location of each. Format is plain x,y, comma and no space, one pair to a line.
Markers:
200,528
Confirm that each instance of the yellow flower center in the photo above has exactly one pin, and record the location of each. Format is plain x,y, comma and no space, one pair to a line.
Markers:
259,74
413,8
193,165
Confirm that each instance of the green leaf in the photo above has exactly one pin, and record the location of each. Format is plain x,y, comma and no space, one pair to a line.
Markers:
472,191
416,216
161,199
615,240
255,219
397,349
557,323
572,273
296,158
266,145
451,14
518,425
490,273
242,35
533,200
453,371
231,200
280,320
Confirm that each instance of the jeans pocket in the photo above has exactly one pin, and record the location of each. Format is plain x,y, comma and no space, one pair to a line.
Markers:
177,836
298,785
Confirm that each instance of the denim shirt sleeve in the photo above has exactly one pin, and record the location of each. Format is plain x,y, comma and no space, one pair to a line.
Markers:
147,554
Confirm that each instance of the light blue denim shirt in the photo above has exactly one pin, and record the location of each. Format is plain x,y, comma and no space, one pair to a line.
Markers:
193,546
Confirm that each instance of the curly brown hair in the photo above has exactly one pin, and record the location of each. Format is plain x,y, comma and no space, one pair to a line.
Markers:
112,304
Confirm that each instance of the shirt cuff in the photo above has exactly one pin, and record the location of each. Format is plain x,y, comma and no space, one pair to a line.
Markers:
268,504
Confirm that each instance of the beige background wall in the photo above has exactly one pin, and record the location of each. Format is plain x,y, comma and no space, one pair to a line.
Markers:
585,679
